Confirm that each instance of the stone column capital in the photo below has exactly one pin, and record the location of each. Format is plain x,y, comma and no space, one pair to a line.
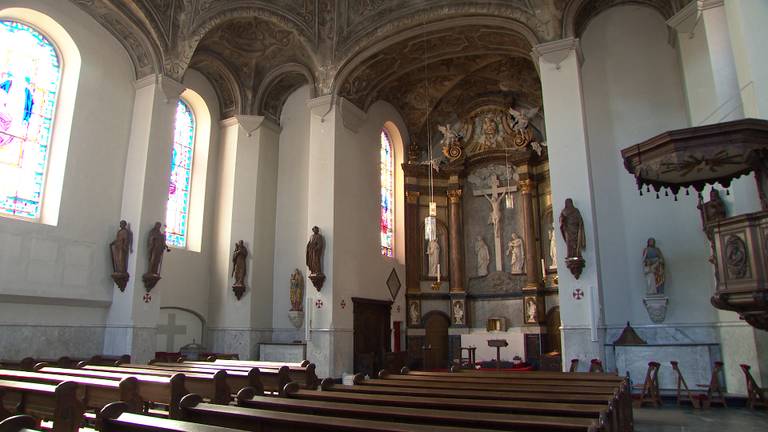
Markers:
412,197
454,196
526,186
556,51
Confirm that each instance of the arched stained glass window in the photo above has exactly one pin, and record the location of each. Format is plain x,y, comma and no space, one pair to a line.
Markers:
177,212
387,195
30,72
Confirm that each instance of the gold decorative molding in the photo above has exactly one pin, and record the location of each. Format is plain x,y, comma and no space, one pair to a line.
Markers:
526,186
454,196
412,197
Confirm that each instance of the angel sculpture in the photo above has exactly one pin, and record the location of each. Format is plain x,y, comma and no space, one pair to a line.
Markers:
450,137
433,163
522,117
538,147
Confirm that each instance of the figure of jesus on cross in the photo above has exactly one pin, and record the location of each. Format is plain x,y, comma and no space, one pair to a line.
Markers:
494,196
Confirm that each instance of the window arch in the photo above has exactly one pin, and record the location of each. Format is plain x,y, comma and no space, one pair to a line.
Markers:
387,223
30,78
179,187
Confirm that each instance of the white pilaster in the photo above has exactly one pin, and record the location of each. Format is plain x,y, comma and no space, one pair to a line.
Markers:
245,211
132,319
712,87
559,67
748,36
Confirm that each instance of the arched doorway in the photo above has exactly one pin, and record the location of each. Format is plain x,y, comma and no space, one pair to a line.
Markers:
436,339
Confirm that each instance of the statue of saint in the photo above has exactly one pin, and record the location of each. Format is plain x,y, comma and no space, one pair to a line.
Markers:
483,256
121,248
433,252
157,247
297,291
653,268
315,248
530,310
516,253
572,229
552,248
238,264
413,312
458,313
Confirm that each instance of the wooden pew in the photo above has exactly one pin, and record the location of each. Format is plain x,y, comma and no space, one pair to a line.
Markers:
57,403
593,376
19,423
259,363
452,411
93,393
166,390
530,379
588,410
304,375
273,421
618,402
115,418
228,382
483,386
212,386
272,380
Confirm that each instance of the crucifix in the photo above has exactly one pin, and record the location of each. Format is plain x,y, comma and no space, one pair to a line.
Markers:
494,196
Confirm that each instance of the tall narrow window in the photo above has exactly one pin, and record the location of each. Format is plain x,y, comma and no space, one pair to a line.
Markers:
177,212
387,195
30,72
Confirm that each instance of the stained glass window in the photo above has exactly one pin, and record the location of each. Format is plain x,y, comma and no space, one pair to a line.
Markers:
177,212
387,195
30,72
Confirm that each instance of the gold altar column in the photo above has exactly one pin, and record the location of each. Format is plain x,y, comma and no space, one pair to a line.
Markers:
456,249
533,301
412,241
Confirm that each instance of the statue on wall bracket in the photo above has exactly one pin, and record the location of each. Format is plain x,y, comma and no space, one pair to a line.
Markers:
120,248
315,248
296,314
572,229
156,247
653,268
239,268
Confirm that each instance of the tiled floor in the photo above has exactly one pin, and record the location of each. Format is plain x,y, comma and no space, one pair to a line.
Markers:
669,419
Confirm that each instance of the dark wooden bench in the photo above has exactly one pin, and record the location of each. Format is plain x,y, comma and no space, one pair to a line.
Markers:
457,416
212,386
530,379
93,393
612,377
304,375
489,386
272,421
593,410
57,403
235,379
165,390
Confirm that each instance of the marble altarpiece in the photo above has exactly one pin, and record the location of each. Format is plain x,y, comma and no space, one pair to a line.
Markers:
490,181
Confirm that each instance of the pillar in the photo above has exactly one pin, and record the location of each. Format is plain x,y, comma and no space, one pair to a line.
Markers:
748,33
245,211
131,324
560,71
455,240
533,285
412,241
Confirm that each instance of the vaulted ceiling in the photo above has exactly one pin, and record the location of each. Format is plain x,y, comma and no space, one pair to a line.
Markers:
257,52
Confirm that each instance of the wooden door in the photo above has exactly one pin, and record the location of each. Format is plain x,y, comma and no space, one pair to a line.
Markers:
372,334
436,327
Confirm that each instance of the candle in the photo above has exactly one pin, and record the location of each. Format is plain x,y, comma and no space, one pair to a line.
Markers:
438,272
543,271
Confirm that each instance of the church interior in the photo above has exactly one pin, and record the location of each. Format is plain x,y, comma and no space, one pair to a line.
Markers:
559,202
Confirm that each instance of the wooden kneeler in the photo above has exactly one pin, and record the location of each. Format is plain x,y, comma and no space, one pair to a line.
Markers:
755,395
574,365
682,387
714,389
595,365
650,393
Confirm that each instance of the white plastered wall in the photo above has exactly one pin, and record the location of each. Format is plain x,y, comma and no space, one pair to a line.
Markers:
633,91
291,233
186,272
54,280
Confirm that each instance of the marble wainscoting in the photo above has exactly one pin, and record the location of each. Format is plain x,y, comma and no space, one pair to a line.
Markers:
694,347
282,352
243,342
331,350
286,335
47,341
139,342
578,343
